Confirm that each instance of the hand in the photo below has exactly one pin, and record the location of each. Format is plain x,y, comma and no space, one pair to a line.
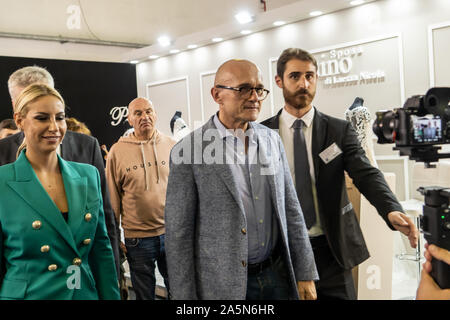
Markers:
433,251
428,288
104,148
123,247
405,225
307,290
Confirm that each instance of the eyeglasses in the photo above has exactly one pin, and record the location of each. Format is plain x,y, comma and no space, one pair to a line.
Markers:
246,91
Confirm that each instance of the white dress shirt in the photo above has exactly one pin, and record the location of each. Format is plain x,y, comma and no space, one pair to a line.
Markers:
287,136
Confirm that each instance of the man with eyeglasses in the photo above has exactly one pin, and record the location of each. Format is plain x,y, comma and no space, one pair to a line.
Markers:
319,149
234,227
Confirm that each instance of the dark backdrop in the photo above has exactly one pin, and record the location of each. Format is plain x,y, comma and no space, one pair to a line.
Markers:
90,89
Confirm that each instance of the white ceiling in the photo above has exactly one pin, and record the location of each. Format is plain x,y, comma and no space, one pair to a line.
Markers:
138,23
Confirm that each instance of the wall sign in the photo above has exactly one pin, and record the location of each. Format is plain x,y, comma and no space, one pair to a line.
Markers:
118,115
362,68
337,68
74,18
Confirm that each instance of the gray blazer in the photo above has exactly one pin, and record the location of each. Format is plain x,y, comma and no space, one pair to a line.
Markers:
206,248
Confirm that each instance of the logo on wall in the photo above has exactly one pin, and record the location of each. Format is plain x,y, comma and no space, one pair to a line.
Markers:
118,114
336,70
74,20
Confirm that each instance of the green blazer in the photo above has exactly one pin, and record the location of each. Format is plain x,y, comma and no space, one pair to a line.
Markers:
41,255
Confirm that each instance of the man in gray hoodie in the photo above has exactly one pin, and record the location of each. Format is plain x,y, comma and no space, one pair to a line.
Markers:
137,171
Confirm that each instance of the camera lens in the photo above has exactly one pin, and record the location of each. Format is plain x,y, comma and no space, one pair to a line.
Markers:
384,126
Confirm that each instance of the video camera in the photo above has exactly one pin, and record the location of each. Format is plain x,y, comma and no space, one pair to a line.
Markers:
435,225
416,129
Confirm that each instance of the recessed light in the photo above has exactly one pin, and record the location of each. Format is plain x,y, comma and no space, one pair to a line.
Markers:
192,46
356,2
217,39
246,32
164,41
315,13
134,61
174,51
244,17
153,56
279,23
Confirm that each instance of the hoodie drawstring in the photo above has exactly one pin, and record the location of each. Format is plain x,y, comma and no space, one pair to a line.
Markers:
152,140
145,166
156,159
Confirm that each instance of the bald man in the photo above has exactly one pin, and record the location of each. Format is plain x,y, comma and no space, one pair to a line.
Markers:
137,170
234,226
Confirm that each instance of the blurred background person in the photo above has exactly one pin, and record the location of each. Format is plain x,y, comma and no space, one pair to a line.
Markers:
55,245
8,128
77,126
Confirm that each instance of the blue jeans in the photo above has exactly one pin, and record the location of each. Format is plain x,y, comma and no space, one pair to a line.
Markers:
272,283
142,254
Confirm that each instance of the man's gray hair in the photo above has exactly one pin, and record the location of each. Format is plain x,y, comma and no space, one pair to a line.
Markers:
28,75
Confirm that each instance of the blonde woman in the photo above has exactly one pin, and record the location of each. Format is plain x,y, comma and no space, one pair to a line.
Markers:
54,243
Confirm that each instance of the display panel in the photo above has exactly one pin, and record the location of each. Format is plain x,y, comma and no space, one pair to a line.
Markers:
168,97
95,93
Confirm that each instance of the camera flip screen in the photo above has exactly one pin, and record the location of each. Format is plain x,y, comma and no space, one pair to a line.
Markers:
426,129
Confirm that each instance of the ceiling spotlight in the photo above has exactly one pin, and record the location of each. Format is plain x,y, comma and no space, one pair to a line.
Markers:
278,23
153,56
164,41
244,17
174,51
244,32
315,13
217,39
356,2
192,46
134,61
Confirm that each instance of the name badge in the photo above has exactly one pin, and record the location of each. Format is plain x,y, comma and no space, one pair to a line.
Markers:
330,153
347,208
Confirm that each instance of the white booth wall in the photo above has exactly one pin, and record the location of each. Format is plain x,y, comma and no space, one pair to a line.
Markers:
402,44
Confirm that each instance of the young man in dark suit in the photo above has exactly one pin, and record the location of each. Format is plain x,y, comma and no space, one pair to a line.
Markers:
319,149
75,147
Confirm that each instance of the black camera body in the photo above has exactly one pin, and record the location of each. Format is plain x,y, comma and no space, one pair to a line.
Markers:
416,129
435,225
422,123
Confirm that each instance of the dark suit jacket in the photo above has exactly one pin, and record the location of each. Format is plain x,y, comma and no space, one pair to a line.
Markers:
75,147
337,216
